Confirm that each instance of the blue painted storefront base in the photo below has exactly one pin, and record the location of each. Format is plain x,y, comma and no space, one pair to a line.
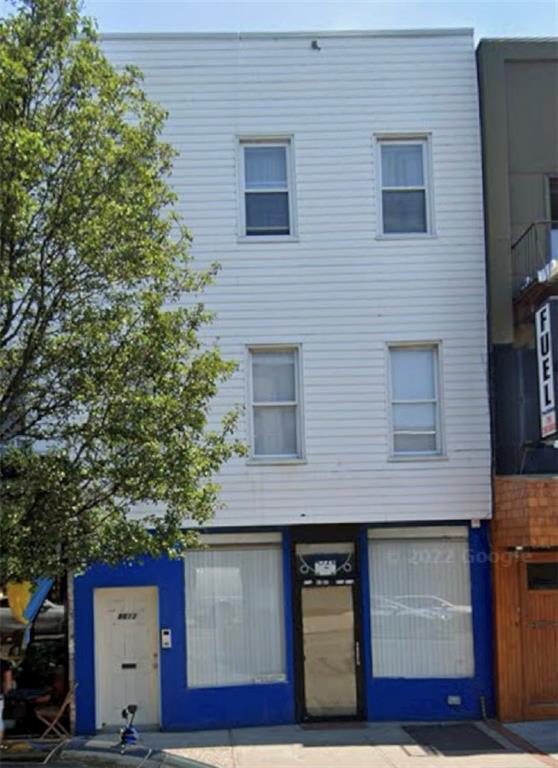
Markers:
184,708
401,699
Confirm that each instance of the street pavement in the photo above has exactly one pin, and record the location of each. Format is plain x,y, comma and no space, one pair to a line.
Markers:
363,745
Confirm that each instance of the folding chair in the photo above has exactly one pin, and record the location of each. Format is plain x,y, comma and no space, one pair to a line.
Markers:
51,714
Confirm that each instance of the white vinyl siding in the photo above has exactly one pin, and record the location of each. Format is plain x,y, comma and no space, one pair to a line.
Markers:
405,196
420,607
415,400
235,632
338,291
266,208
275,403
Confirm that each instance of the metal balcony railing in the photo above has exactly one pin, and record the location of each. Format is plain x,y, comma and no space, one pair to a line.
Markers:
535,256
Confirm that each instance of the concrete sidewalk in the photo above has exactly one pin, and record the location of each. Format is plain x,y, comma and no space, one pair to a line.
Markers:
542,734
363,745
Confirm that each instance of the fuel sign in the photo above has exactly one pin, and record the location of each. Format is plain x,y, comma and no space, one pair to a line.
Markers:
546,328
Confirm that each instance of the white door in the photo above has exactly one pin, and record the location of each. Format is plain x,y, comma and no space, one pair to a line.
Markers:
126,654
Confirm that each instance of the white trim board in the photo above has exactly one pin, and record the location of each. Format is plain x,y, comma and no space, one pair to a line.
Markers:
420,532
230,539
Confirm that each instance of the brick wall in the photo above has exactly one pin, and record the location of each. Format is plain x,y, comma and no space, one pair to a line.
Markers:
525,511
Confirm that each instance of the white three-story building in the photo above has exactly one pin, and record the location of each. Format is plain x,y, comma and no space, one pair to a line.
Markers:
337,179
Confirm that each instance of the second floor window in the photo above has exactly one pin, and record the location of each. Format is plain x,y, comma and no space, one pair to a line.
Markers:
267,203
404,189
275,403
415,400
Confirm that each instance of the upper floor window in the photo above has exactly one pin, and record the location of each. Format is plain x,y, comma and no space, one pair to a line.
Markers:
275,403
415,400
267,189
404,187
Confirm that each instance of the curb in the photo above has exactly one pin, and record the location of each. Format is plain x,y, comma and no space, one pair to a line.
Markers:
140,756
99,758
183,762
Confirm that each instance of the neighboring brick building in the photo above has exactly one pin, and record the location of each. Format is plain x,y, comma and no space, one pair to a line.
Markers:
519,111
527,511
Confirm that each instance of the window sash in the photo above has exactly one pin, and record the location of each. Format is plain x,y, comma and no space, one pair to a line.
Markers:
435,401
404,212
275,432
278,230
254,405
254,231
280,209
266,191
414,431
260,181
274,403
402,188
409,143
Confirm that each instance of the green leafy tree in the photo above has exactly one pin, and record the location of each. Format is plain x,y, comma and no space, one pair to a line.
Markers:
105,385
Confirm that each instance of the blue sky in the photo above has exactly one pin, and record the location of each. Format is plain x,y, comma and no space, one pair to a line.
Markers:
490,18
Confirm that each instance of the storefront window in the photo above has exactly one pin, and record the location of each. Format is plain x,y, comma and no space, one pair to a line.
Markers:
421,617
235,630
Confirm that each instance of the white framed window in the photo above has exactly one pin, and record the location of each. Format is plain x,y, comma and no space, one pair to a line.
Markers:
235,626
266,173
275,403
405,194
420,603
414,384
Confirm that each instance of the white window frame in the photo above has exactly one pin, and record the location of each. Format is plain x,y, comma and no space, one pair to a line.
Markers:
270,141
299,457
439,452
424,140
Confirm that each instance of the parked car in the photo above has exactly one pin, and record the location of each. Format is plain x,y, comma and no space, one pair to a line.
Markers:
432,606
50,621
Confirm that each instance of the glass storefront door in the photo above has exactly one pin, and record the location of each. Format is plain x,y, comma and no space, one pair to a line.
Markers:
329,653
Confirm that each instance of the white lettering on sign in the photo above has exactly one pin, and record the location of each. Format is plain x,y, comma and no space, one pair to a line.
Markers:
546,371
325,568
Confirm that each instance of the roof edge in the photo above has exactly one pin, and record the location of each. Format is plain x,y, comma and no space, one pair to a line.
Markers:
516,40
427,32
